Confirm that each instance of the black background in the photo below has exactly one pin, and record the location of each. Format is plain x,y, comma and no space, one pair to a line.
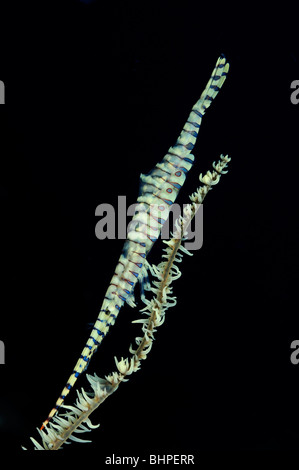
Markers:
95,95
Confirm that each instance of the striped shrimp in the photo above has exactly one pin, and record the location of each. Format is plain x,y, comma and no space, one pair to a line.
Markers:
158,191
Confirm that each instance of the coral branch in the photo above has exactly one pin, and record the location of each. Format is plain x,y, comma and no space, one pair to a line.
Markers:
76,419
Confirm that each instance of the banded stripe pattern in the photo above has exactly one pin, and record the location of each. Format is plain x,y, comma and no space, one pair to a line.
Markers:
158,191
